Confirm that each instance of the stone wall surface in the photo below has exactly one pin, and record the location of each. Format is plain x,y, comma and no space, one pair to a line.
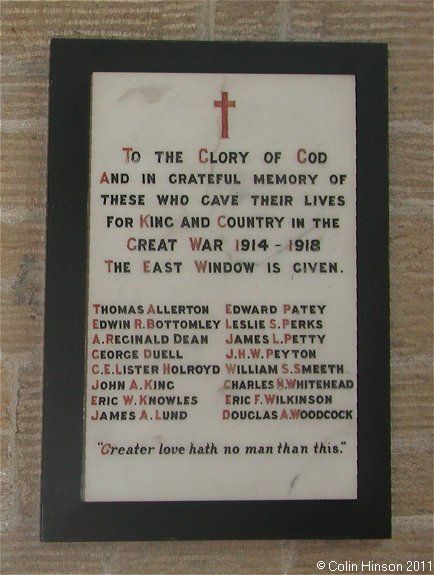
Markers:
27,27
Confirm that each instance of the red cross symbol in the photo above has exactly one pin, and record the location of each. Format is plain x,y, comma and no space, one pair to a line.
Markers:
224,104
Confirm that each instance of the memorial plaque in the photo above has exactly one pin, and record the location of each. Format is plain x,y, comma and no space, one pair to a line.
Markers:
216,360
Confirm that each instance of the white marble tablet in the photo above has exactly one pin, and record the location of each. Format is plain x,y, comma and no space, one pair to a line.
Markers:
221,343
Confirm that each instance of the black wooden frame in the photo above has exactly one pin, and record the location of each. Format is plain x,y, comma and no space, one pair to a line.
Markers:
65,517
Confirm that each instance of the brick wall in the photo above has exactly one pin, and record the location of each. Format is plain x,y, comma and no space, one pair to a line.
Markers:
27,27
